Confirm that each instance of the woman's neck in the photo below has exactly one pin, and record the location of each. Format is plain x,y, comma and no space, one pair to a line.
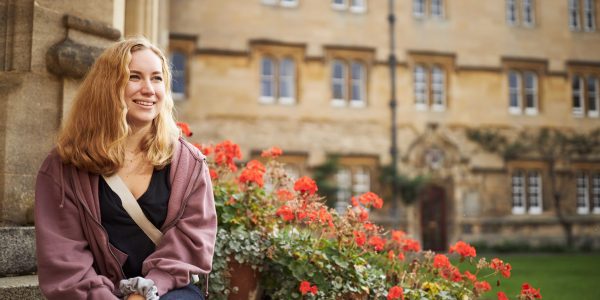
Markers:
134,140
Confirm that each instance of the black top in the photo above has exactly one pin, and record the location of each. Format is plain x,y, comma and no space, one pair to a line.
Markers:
123,232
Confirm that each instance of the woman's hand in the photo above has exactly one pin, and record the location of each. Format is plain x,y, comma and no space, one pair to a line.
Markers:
135,297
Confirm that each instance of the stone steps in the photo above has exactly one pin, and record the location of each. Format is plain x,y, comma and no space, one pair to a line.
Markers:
20,288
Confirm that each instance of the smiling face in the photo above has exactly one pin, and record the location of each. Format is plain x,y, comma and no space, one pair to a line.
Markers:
145,89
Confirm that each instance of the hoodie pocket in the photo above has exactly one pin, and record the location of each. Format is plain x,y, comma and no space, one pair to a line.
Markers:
121,256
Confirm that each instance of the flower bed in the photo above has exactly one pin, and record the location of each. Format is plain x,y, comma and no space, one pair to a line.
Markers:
305,250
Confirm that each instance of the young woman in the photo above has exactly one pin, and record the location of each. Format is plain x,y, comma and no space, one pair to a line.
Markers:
121,122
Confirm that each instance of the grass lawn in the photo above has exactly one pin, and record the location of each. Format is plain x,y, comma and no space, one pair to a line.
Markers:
559,276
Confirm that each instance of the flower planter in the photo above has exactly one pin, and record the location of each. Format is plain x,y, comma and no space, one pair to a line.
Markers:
244,281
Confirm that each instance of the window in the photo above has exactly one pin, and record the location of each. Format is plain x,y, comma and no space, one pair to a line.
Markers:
527,192
589,16
585,8
526,8
583,197
596,193
522,85
528,13
277,80
511,12
423,90
585,95
356,6
419,8
420,81
351,181
437,88
437,8
348,83
574,15
283,3
423,8
178,84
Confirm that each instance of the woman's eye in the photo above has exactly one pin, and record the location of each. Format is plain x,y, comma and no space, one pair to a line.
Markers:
134,77
158,78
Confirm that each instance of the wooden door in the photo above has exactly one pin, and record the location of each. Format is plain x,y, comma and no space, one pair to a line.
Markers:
433,218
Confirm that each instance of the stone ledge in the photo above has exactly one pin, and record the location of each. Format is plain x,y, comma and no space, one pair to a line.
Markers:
20,287
17,251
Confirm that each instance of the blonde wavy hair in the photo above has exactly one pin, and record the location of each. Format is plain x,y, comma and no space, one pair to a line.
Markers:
93,136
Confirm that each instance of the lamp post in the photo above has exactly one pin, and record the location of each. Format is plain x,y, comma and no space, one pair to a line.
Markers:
394,142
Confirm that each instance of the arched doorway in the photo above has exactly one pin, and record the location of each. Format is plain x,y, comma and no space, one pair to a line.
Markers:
433,218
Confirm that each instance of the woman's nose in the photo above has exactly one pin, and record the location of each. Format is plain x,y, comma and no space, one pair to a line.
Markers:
147,88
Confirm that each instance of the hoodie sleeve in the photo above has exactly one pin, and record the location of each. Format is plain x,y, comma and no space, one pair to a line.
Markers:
188,247
64,261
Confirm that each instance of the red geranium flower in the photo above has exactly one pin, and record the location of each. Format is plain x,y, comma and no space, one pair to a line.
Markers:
284,195
370,198
286,213
306,288
185,129
359,237
463,249
273,152
253,172
441,261
225,152
377,243
498,265
411,245
305,185
395,292
502,296
398,235
530,292
470,277
482,286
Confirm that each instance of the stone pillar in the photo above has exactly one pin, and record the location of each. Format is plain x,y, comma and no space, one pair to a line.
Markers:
148,18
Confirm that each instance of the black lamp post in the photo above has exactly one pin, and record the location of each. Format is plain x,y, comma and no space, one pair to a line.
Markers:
394,145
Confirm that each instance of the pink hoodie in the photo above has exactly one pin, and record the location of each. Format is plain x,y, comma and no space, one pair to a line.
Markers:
75,259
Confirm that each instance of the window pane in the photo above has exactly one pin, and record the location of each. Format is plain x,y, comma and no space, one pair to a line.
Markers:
577,89
339,1
592,94
178,73
362,181
518,192
437,86
514,89
511,12
267,85
596,192
338,80
344,189
535,192
528,12
287,78
418,8
582,194
589,15
358,3
530,90
437,8
358,81
420,81
574,14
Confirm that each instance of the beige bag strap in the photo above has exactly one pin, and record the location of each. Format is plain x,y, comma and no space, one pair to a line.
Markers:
132,207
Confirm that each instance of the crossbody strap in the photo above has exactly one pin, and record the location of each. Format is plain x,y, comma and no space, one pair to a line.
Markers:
133,207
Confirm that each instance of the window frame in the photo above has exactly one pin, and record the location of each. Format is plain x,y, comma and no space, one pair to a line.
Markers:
291,80
289,3
423,12
421,87
342,81
533,90
518,192
177,96
272,77
438,87
595,193
582,192
593,96
574,15
517,91
525,4
361,102
578,111
535,187
339,6
441,8
511,11
358,8
589,15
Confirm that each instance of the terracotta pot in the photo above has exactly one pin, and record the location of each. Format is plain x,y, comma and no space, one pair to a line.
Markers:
245,279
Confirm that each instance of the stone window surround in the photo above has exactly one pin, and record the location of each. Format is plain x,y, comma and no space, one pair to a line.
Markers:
516,12
358,166
359,7
349,55
522,65
278,51
422,9
584,71
431,60
591,184
186,45
581,14
527,169
282,3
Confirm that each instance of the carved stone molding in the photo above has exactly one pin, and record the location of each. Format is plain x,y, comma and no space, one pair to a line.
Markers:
73,59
